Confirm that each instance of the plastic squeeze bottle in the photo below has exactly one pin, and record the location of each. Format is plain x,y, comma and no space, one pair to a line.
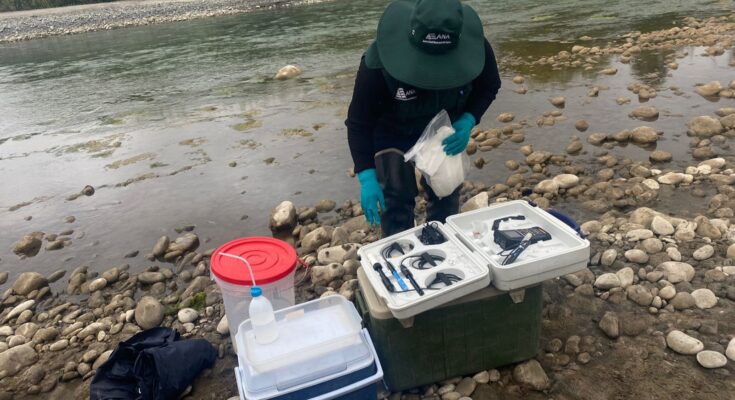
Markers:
262,317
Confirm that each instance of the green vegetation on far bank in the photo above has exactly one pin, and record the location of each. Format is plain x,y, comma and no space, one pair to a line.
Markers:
17,5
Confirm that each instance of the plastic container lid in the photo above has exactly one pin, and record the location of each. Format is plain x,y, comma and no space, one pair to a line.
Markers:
271,260
308,333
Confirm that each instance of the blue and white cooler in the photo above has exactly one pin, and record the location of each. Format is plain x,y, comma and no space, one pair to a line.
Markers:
321,353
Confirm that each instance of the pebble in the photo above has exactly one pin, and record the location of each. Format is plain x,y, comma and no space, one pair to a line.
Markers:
482,377
17,310
60,345
187,315
607,281
705,126
466,386
711,359
558,101
676,272
610,324
704,298
626,276
148,313
640,295
505,117
637,256
703,252
581,125
644,135
660,156
101,359
683,301
530,373
667,292
287,72
730,352
661,226
645,113
608,257
97,284
682,343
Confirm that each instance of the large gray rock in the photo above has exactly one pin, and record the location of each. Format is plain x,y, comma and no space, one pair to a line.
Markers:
186,242
644,135
705,126
709,89
283,216
15,359
287,72
682,343
676,272
338,254
626,276
704,298
28,245
640,295
314,239
148,313
645,113
324,274
531,374
480,200
159,249
28,282
610,324
683,301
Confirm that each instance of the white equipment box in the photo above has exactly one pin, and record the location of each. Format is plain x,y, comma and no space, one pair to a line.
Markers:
471,256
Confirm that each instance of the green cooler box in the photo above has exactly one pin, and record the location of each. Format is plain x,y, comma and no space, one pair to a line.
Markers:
483,330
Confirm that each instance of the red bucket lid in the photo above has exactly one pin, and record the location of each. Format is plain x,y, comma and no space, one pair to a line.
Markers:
271,260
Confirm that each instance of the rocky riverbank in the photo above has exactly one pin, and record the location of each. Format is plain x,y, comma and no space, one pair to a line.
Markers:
34,24
653,315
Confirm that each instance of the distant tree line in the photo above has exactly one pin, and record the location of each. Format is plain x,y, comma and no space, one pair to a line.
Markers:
15,5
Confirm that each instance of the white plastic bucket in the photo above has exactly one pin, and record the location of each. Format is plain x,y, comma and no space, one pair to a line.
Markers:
274,266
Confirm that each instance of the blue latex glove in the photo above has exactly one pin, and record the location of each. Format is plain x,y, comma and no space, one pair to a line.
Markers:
457,142
370,195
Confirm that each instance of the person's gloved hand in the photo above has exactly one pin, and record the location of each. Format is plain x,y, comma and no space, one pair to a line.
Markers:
457,142
370,195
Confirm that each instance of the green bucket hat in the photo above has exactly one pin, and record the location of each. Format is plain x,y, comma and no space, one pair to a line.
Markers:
429,44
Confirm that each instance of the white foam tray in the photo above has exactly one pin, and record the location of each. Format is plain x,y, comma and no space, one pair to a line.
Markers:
459,260
565,253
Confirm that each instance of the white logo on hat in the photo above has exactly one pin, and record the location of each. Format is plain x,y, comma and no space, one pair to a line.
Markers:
405,95
437,38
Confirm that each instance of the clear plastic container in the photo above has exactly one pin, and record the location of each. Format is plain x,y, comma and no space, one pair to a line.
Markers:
309,331
237,299
273,263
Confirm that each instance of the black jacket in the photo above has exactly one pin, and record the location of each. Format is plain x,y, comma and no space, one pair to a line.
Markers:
383,113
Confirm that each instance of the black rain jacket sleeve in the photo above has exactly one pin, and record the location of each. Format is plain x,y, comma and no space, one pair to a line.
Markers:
371,97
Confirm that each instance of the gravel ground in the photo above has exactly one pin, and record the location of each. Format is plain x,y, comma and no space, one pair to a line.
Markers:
34,24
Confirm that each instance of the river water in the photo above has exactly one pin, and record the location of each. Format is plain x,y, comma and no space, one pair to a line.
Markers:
154,117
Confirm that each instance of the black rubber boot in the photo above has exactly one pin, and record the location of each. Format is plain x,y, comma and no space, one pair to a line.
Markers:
439,209
398,180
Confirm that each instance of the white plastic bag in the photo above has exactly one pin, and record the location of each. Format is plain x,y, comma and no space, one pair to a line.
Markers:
443,173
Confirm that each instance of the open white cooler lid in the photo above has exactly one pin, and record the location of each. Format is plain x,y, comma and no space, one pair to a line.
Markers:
564,254
315,339
262,386
463,262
